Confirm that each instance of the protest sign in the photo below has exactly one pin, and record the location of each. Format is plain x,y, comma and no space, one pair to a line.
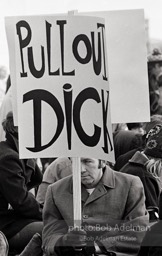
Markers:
61,75
127,64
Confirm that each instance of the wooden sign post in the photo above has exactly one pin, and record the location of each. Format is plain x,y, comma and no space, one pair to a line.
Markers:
77,209
76,170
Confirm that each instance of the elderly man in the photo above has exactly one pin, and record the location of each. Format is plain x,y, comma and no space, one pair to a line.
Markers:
114,218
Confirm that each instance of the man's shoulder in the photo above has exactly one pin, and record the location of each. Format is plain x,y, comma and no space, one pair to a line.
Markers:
60,162
127,182
58,169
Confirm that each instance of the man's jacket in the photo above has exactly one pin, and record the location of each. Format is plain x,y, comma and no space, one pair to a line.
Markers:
114,214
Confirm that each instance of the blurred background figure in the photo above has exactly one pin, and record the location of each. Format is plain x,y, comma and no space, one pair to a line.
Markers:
124,141
46,162
124,158
20,213
3,78
58,169
154,120
118,126
6,106
147,165
155,81
136,128
151,244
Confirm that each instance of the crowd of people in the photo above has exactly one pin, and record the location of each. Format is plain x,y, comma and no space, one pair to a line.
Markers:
121,202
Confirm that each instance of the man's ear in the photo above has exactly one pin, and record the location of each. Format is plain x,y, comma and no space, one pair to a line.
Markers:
101,164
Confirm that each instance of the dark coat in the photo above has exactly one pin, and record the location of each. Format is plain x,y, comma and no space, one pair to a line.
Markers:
152,242
123,159
136,166
160,206
125,140
18,206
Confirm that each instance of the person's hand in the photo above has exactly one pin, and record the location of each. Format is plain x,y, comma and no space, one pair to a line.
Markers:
75,238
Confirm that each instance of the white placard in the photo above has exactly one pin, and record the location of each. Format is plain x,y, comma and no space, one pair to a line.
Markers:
60,71
127,64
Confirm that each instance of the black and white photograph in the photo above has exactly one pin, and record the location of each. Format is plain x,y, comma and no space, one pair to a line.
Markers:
80,128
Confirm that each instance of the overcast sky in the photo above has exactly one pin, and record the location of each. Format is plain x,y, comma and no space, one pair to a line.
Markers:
152,10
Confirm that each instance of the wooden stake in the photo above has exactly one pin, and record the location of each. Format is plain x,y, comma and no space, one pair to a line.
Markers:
77,209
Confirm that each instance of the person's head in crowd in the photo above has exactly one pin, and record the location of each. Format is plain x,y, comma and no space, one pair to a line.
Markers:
136,127
8,125
155,81
154,120
116,127
155,62
125,141
3,72
153,150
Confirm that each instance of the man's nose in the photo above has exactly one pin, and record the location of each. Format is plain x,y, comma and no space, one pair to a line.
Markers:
83,169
